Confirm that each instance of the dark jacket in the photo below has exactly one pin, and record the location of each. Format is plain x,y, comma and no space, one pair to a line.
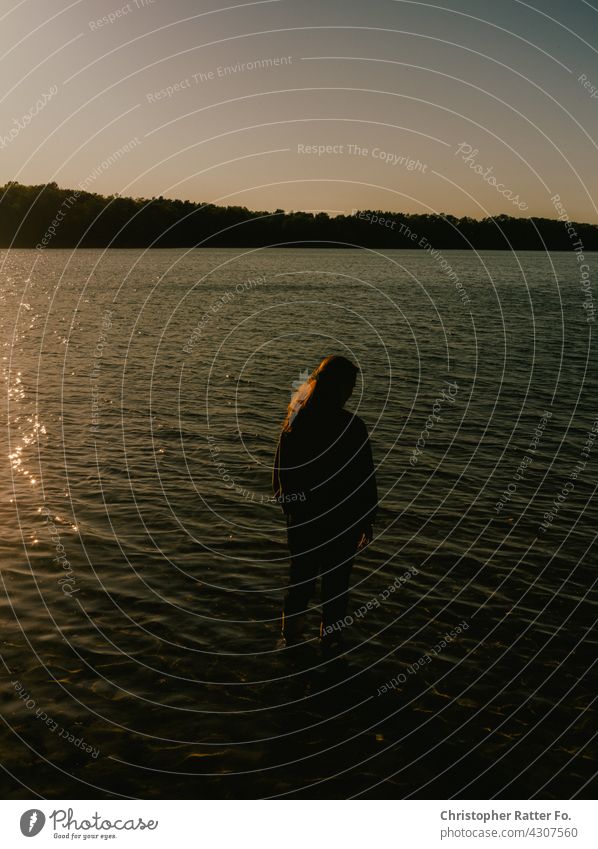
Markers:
324,467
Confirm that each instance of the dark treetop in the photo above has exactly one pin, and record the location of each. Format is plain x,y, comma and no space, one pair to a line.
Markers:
50,217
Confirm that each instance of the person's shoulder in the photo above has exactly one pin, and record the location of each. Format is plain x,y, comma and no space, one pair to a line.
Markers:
355,423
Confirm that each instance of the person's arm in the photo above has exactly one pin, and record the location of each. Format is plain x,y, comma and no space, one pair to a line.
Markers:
277,488
368,490
371,489
285,476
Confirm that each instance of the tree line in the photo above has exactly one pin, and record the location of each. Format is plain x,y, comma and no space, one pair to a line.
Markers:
47,216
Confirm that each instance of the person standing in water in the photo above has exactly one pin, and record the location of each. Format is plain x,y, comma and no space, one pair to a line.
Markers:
324,479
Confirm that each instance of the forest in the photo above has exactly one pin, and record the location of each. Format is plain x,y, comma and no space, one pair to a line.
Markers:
47,216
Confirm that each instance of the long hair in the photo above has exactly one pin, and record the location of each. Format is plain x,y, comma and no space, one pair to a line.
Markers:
324,387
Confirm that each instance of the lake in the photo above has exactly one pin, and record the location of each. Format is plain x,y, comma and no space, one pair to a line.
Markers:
143,561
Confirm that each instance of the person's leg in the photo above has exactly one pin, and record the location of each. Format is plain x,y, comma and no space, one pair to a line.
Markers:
303,572
336,572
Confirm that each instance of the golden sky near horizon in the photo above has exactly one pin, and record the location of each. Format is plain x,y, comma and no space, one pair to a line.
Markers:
469,108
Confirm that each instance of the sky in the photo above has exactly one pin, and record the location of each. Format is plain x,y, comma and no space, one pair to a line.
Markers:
461,107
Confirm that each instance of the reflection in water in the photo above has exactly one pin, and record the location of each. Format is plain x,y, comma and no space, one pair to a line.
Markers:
28,427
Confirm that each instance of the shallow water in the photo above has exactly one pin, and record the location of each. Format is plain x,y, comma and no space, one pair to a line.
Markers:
152,641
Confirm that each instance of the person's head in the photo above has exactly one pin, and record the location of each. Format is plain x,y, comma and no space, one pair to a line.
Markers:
328,387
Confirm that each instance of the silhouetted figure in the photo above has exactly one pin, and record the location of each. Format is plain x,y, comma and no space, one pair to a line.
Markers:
324,480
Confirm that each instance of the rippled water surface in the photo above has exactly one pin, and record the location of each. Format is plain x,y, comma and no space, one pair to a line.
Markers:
143,564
